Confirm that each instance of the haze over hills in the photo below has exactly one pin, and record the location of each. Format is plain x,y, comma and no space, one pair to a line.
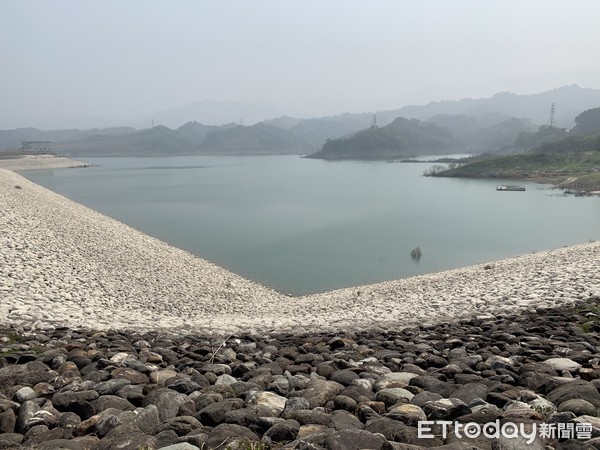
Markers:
258,139
476,125
192,138
477,117
213,112
443,134
209,112
156,141
14,137
400,139
317,131
570,100
567,158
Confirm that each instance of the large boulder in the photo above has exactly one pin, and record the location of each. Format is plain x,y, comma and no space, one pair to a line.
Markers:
576,389
392,430
394,379
223,435
446,409
319,392
215,413
579,407
560,364
391,396
147,420
409,414
275,403
285,431
359,439
470,391
28,374
167,401
125,437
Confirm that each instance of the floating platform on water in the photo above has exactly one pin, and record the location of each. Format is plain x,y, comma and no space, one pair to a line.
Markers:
515,188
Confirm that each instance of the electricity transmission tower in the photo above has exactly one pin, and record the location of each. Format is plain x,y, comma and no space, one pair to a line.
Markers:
374,123
551,119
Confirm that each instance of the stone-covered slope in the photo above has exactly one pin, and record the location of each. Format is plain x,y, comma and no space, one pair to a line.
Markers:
64,388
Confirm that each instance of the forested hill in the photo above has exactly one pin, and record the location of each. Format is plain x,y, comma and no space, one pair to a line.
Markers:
400,139
192,138
257,139
477,126
568,158
483,124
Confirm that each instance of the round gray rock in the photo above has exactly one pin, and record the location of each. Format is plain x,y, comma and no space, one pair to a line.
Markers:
579,407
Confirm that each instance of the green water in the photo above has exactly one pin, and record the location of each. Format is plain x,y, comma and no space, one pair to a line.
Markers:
302,225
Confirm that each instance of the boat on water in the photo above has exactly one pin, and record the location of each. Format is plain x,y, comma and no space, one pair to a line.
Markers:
504,187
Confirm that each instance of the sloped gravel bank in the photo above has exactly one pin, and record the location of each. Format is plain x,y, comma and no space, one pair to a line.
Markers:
64,264
36,162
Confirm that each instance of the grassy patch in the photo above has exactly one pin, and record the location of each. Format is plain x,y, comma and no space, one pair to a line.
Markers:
249,445
14,338
589,182
581,169
592,319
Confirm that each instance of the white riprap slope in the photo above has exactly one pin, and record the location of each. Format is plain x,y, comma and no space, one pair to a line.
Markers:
64,264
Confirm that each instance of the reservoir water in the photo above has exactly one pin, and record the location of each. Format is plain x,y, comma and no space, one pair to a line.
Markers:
303,225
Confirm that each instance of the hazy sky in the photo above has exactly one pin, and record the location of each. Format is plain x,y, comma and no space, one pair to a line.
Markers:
126,59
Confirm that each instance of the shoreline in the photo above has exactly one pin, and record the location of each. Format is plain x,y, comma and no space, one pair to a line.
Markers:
554,182
39,162
65,264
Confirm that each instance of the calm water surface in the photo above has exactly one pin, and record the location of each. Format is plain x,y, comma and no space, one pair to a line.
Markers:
302,225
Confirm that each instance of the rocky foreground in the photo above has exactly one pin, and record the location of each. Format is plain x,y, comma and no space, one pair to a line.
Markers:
80,389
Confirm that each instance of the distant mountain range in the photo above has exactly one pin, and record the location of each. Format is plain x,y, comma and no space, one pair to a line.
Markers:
472,125
443,134
191,139
213,112
569,100
209,112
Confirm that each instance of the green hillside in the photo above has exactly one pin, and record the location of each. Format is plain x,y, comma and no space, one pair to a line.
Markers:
573,161
400,139
257,139
190,139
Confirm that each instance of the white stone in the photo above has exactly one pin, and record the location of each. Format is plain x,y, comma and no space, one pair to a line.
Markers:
120,357
396,379
24,394
276,403
563,364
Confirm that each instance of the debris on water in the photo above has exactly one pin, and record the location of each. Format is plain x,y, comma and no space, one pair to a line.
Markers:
416,253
